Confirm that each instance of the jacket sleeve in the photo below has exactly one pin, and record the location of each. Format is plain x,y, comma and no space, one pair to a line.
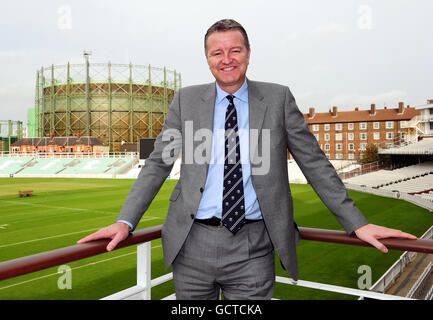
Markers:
317,169
156,168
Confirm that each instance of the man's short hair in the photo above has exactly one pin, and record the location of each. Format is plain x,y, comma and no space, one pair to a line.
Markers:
226,25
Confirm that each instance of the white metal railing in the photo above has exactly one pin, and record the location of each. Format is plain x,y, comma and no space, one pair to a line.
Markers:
424,118
69,155
429,295
142,290
420,281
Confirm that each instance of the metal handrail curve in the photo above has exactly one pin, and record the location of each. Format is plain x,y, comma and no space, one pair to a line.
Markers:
43,260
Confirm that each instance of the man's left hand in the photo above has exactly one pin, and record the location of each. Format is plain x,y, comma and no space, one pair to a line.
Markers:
370,233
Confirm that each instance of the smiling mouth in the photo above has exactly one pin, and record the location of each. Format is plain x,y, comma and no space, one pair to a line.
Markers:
227,68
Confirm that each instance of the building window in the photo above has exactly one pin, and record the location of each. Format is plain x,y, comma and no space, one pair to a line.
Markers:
327,155
327,136
339,156
351,156
362,146
339,146
363,136
389,145
315,127
389,125
338,126
403,124
376,125
316,136
376,136
327,147
327,127
351,146
338,136
350,126
390,135
363,125
350,136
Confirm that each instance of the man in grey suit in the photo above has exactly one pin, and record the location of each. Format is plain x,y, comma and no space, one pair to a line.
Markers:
232,205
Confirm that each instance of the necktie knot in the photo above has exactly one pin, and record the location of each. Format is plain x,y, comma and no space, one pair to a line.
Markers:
230,98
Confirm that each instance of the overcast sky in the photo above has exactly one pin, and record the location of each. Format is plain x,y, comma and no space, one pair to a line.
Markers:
330,53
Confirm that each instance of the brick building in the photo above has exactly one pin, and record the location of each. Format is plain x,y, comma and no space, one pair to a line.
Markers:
53,144
344,135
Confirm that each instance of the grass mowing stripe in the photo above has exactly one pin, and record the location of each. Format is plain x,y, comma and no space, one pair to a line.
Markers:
56,207
63,235
40,239
75,268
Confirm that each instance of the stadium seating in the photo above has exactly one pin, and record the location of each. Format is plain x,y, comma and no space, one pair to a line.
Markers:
12,165
119,164
90,165
61,167
412,185
45,166
385,178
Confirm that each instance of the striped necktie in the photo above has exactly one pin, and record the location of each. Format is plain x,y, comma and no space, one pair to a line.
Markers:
233,206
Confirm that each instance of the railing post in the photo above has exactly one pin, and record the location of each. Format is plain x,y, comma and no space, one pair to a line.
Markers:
144,268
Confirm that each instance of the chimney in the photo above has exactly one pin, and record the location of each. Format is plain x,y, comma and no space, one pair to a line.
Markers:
311,113
400,107
334,111
372,109
430,101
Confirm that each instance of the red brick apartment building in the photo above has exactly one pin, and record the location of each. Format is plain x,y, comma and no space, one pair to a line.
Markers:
344,135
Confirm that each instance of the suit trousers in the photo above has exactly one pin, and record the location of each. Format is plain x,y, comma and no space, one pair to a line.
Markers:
212,259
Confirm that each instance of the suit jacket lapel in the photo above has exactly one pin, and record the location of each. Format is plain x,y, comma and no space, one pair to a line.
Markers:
206,108
257,112
206,116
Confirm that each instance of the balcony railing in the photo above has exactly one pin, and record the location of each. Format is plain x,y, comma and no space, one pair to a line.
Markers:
142,238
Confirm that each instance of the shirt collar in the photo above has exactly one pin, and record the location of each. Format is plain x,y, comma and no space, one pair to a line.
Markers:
241,93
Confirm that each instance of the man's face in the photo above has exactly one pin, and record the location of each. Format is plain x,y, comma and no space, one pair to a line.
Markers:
228,59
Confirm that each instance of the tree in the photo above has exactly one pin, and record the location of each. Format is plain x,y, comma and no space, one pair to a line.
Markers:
371,153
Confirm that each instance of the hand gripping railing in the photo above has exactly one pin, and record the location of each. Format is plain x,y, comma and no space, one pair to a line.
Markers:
39,261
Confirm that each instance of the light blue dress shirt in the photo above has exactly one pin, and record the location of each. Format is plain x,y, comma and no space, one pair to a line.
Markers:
211,201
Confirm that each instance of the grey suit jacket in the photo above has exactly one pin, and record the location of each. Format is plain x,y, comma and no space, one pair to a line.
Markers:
272,109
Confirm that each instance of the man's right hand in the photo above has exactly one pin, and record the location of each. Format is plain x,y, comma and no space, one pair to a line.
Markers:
117,232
